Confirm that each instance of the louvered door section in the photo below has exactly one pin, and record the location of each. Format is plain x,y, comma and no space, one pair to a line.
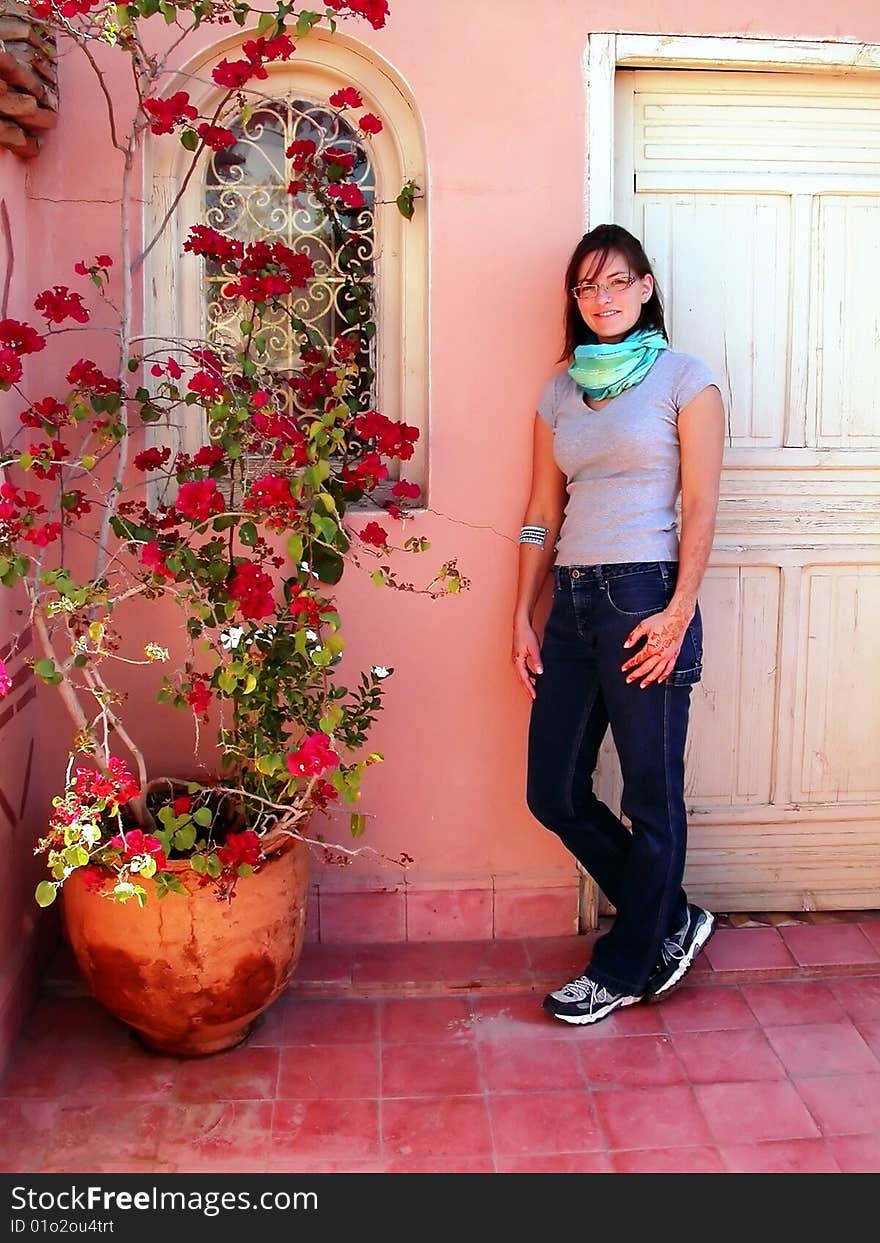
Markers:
758,200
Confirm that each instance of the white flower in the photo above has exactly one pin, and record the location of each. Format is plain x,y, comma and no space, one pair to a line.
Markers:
380,671
153,651
232,637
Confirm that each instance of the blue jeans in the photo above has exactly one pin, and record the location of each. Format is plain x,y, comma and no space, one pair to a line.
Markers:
581,691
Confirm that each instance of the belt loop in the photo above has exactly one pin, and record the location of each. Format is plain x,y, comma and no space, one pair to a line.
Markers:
664,572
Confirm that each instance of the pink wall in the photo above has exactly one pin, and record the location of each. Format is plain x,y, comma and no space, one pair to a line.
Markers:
500,95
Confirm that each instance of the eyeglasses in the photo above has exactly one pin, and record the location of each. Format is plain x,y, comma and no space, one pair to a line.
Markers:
617,284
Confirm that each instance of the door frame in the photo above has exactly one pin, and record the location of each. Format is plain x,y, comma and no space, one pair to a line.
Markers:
604,54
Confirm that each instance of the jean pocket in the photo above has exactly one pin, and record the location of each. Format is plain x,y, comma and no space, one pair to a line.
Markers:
640,593
689,666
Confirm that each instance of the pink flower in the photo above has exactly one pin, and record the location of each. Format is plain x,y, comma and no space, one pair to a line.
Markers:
312,757
5,681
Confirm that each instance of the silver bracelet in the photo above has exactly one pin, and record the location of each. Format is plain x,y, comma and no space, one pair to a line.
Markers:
533,535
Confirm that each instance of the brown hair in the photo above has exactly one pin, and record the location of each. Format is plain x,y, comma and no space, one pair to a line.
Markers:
600,242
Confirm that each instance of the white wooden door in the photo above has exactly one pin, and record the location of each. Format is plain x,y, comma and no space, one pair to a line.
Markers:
757,196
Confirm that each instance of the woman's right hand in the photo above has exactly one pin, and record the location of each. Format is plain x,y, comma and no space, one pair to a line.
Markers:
526,655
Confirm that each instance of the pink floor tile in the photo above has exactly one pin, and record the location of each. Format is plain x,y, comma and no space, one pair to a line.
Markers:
843,1104
793,1001
39,1135
631,1061
449,915
449,1069
747,1112
727,1057
859,996
556,1163
537,1123
118,1069
485,963
744,949
706,1009
309,1020
668,1161
829,945
822,1049
435,1127
652,1118
318,1165
856,1154
869,1030
327,1130
243,1074
554,959
268,1030
500,1018
310,1072
787,1156
440,1165
404,1020
517,1065
327,966
221,1133
871,929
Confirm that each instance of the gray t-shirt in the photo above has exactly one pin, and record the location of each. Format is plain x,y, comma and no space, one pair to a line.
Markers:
622,463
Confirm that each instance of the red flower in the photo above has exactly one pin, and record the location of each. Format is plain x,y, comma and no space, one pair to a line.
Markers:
240,848
234,74
10,367
312,757
408,490
204,240
58,304
153,559
20,338
136,842
85,375
151,459
181,805
199,499
370,124
375,535
206,385
300,152
94,878
216,137
199,696
252,588
271,494
208,455
166,113
348,192
348,97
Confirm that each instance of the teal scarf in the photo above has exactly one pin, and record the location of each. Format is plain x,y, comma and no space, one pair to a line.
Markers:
606,370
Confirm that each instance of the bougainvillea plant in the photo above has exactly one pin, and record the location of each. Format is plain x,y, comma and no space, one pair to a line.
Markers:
233,548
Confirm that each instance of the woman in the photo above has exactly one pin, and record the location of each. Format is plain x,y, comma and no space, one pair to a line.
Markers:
627,427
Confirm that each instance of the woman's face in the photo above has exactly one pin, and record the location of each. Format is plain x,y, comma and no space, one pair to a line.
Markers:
610,305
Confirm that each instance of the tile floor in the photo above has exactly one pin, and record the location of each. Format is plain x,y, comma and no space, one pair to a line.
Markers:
437,1057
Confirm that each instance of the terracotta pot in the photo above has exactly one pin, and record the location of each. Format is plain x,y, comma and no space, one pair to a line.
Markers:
189,973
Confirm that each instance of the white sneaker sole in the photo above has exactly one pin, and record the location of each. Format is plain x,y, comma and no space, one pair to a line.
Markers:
581,1019
683,968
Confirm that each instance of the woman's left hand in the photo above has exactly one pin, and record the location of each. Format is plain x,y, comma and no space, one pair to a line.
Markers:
664,634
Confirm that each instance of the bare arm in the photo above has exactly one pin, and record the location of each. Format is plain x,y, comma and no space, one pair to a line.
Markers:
701,435
545,508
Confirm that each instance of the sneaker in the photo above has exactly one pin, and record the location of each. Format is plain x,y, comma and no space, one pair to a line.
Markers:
585,1001
678,953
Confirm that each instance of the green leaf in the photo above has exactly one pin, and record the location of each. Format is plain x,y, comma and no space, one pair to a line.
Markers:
358,822
305,21
295,548
268,765
215,867
189,139
378,577
203,816
199,864
167,882
45,669
404,200
247,533
46,893
267,22
328,565
224,522
184,838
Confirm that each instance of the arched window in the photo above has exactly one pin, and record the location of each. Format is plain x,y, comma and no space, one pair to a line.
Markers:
243,192
246,197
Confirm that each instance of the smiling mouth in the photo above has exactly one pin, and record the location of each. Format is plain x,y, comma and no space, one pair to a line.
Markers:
605,314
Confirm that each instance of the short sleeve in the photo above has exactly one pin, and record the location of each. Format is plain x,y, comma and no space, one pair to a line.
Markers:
547,407
694,376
